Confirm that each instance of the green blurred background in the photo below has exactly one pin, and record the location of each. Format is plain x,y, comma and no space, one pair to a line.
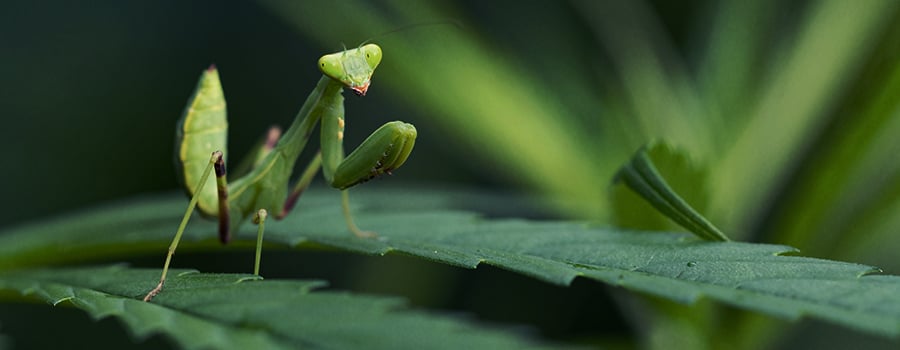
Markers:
781,116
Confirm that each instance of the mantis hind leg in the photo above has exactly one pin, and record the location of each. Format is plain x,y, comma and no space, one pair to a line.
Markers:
222,192
260,220
214,161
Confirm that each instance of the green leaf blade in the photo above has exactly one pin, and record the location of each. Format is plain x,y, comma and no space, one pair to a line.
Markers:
143,319
229,311
675,266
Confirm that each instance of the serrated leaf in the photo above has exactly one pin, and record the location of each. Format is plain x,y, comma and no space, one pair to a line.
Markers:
232,311
417,222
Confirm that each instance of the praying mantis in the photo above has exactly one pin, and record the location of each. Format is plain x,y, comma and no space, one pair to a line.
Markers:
201,137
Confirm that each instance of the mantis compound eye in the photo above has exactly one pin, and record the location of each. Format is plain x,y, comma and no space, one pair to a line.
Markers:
330,65
373,55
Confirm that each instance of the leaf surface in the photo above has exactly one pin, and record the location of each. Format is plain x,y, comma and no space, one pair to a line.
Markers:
423,223
231,311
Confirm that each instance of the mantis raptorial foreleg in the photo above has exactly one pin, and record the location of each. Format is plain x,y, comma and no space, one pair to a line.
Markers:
264,188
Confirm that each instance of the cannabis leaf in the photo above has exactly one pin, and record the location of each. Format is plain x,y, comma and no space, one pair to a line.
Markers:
231,311
422,223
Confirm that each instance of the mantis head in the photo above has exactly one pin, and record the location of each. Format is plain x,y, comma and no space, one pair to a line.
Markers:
353,67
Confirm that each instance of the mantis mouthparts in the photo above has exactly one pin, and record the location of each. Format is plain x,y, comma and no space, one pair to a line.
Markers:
360,90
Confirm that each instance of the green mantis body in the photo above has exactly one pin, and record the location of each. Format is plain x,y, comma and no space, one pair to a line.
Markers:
202,132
